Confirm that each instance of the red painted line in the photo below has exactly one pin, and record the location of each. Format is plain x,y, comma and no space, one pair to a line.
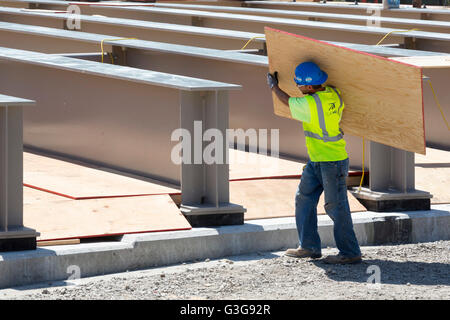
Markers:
97,197
112,4
126,196
293,176
353,173
357,173
40,10
270,177
49,191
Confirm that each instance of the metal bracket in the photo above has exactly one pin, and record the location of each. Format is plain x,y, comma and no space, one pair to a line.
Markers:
120,55
391,182
197,21
409,43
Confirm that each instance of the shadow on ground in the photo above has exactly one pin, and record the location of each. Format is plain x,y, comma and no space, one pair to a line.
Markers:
390,272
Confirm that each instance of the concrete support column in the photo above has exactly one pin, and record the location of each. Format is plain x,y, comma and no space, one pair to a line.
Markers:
205,184
392,182
13,235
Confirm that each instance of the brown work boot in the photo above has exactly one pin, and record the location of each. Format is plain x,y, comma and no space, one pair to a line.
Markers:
302,253
339,259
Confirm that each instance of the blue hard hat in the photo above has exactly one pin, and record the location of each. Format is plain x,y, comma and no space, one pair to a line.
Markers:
309,73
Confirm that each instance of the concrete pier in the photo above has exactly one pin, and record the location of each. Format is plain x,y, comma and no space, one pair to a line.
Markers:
139,251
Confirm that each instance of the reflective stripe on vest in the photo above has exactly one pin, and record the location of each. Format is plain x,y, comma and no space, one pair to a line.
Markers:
326,137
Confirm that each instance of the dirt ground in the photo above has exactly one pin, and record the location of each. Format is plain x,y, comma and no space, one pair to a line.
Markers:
392,272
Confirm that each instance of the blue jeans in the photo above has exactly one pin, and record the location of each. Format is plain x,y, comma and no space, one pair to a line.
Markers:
329,177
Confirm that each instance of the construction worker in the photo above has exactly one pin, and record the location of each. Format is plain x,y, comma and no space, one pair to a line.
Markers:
320,111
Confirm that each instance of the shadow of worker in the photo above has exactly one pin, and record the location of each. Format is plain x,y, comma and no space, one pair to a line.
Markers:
390,272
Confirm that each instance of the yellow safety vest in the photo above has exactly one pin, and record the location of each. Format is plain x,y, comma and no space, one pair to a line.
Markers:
324,138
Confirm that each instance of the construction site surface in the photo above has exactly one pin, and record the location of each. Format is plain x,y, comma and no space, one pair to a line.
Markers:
65,200
97,98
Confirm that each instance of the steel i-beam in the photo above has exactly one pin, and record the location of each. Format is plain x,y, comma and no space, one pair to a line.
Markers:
205,187
13,234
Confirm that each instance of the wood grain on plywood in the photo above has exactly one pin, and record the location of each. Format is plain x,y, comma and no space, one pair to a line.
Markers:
57,242
273,198
81,181
244,165
432,174
383,98
62,219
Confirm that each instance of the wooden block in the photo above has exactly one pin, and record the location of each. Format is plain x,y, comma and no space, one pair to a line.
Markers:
57,242
176,198
274,198
353,180
383,98
426,62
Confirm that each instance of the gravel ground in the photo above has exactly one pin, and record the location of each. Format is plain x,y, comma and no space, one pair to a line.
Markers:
410,271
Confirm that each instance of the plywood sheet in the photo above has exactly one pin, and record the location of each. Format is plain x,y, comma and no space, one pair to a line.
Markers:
383,98
80,181
248,165
63,219
433,174
274,198
427,62
32,196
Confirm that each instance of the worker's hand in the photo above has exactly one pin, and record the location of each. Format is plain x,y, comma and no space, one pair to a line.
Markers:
272,80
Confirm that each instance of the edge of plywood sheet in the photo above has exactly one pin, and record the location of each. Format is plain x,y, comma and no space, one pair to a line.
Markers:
383,98
77,180
100,197
73,219
426,62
